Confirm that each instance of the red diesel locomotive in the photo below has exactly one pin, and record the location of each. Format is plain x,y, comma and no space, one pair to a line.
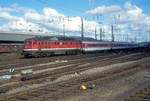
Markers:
47,46
52,45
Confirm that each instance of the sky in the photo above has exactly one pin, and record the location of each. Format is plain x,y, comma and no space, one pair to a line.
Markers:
130,18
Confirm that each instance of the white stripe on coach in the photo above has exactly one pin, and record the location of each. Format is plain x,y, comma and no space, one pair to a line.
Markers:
44,49
88,42
95,49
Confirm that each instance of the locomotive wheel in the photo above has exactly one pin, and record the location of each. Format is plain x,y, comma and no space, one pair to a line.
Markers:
26,56
74,52
67,52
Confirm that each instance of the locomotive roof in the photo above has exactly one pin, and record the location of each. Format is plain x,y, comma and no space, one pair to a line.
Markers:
63,38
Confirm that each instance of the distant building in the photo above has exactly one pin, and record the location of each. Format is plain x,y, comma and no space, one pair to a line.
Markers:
18,37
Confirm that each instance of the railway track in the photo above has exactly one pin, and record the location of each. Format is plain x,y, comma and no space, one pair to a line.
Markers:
73,85
66,68
53,63
16,63
142,95
57,74
75,63
56,63
51,91
31,61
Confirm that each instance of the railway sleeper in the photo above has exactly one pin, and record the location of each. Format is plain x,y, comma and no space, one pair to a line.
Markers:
141,98
67,85
147,89
34,94
136,99
48,90
51,90
143,92
22,98
43,92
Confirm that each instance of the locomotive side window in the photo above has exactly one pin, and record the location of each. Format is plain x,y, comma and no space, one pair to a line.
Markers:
66,43
49,44
34,43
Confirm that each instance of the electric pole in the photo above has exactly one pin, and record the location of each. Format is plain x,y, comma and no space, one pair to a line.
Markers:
95,33
100,34
112,33
82,28
63,29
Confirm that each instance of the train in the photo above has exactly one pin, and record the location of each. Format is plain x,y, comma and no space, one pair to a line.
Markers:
53,45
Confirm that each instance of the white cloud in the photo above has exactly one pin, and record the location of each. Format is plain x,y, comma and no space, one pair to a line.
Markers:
15,8
50,20
51,12
20,9
47,20
33,16
22,26
7,16
6,9
129,18
127,14
104,10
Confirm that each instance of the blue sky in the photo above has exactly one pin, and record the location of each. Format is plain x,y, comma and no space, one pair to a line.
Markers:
130,16
74,7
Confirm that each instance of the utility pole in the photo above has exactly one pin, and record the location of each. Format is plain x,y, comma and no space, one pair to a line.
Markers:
95,33
135,38
100,34
64,30
103,35
82,28
127,38
112,33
